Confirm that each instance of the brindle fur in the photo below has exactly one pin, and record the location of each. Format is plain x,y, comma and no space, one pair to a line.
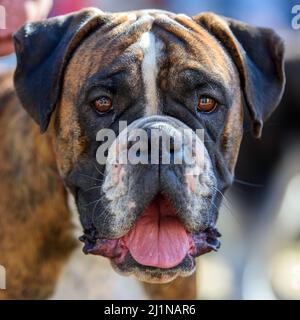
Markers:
35,228
35,223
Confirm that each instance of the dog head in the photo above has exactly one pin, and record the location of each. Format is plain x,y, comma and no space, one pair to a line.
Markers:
159,72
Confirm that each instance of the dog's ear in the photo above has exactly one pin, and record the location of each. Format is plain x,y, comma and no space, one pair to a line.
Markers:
258,55
43,50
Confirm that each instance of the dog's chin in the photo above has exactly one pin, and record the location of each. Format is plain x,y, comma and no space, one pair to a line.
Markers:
153,274
158,248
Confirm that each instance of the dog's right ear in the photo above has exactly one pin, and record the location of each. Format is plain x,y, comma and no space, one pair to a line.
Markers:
43,50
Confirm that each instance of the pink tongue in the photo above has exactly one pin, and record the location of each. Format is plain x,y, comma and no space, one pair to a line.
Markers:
158,238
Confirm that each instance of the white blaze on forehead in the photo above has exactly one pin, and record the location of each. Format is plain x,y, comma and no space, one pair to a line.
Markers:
151,47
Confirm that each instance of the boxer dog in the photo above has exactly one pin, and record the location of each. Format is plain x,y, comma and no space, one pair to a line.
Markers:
81,73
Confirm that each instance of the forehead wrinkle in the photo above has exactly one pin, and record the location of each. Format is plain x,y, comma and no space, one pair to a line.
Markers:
94,43
114,49
214,46
173,27
183,31
141,25
119,20
109,48
189,43
191,25
120,40
123,25
197,41
179,53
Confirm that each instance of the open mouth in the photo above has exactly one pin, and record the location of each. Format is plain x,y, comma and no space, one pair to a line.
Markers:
158,239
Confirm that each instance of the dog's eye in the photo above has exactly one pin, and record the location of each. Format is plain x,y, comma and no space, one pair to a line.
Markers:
206,104
102,104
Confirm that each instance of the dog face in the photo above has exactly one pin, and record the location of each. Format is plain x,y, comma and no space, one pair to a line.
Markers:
161,73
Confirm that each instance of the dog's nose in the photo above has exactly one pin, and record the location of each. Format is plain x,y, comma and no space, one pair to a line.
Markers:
162,143
154,140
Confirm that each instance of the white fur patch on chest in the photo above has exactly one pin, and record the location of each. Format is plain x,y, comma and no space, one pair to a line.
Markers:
152,48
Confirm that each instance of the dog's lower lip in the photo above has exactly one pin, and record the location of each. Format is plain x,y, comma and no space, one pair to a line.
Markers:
200,243
157,239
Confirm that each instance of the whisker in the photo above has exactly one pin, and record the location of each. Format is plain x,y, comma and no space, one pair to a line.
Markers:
84,175
226,205
98,170
92,188
90,203
105,219
227,202
229,211
95,208
100,198
249,184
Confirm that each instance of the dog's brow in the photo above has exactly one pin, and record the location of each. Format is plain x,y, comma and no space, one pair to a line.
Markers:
199,78
104,77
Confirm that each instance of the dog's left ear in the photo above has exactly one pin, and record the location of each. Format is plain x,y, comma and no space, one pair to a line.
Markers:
43,50
258,55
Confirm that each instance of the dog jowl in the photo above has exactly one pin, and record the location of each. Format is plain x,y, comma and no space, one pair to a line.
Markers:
88,71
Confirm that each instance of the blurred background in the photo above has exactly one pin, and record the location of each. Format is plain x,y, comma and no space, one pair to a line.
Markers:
260,217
